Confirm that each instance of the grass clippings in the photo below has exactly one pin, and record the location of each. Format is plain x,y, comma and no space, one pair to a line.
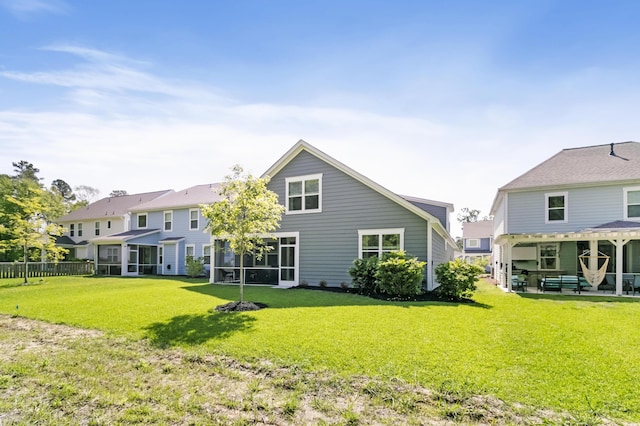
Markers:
56,374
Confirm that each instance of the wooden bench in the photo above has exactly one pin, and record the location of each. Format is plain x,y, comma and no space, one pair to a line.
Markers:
570,282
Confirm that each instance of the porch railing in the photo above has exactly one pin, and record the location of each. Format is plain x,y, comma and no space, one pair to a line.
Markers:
39,269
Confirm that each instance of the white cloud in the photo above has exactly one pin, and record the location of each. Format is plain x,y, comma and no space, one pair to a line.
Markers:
25,8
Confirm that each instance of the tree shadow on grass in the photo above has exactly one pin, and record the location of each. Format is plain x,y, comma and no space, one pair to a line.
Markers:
197,329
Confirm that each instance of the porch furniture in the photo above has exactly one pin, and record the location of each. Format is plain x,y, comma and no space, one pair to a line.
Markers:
609,284
572,282
636,284
519,282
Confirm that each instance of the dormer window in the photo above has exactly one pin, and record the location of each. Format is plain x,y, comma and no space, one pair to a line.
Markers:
304,194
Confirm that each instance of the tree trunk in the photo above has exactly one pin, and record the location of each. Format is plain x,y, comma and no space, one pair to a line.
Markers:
241,277
26,263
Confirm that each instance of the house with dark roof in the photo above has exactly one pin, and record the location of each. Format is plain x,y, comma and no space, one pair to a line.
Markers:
575,214
102,218
333,216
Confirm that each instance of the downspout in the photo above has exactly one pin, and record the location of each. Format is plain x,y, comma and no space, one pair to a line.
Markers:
430,283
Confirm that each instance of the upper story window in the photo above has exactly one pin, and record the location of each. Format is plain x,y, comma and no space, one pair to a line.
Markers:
97,228
142,220
473,243
375,242
79,230
108,224
72,230
632,203
168,221
556,207
194,219
304,194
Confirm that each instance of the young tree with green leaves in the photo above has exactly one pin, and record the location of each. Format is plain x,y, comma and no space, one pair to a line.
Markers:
25,214
247,214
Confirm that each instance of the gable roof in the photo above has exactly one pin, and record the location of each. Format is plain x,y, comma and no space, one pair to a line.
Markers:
124,236
111,206
301,145
583,166
190,197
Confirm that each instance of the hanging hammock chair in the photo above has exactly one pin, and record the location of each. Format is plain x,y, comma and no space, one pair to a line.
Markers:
596,275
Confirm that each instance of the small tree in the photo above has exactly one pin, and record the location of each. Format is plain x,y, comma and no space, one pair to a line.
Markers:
247,214
24,222
400,274
457,279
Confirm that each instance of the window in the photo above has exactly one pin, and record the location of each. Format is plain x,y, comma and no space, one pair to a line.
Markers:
168,221
194,221
375,242
108,224
632,203
142,220
79,230
304,194
97,232
72,230
160,256
190,252
556,207
549,256
112,254
473,243
206,254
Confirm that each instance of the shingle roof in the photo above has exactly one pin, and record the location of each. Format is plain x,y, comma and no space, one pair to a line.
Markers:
582,166
111,206
190,197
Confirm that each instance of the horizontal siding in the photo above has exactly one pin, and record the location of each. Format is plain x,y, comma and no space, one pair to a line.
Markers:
587,207
329,240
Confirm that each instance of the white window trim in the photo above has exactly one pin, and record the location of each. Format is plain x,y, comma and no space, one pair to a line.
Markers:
380,232
473,243
557,256
186,251
164,221
204,247
546,207
625,214
97,228
197,219
303,179
80,230
146,221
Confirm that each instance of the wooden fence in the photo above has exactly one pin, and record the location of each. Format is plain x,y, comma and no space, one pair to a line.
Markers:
39,269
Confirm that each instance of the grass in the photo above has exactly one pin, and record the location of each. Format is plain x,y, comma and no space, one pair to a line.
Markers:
577,354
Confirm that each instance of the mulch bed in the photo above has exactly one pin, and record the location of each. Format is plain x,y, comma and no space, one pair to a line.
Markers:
240,307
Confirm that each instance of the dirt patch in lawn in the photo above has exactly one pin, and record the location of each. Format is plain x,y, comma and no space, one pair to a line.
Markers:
56,374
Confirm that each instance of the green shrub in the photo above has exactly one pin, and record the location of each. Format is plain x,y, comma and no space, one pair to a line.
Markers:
457,279
400,274
195,267
363,274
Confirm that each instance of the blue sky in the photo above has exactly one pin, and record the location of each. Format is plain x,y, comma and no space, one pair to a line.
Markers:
441,100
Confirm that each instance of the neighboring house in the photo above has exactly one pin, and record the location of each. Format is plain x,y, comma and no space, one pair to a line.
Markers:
581,204
333,216
162,233
477,240
104,217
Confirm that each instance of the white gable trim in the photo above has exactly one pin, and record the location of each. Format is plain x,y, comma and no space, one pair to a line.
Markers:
304,146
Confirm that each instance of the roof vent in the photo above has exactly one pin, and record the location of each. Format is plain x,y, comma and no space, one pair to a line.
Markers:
613,154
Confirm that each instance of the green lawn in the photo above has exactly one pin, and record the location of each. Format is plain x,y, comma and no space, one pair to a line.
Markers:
579,354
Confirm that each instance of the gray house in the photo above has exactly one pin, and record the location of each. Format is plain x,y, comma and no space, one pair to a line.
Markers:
579,207
333,216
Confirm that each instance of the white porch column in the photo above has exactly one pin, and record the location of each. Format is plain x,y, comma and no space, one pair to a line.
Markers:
619,264
593,259
124,259
507,262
